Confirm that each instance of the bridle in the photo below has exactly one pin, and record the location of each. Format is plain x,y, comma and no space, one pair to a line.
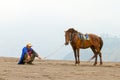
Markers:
71,35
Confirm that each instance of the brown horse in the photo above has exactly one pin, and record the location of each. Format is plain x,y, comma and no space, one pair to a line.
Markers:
79,40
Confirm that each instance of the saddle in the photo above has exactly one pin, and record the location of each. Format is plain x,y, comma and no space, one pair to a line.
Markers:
84,36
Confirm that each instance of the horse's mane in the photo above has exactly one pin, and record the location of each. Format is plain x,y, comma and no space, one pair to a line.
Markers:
72,30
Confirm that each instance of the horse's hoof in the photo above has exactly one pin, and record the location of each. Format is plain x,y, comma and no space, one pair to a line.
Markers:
101,63
94,64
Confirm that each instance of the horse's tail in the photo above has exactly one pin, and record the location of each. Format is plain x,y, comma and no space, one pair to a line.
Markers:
101,43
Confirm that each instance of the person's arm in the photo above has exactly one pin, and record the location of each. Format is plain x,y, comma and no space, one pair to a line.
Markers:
39,57
36,55
25,50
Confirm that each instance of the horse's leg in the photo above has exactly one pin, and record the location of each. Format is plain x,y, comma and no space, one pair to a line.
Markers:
92,57
95,60
95,55
78,56
100,55
74,49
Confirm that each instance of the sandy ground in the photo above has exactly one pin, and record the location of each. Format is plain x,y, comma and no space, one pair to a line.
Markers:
57,70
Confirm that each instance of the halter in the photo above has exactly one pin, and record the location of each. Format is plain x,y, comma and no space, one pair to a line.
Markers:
71,36
71,33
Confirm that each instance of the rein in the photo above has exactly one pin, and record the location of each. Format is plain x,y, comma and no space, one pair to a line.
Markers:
52,53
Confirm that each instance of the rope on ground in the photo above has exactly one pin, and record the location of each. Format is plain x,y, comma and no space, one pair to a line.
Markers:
52,53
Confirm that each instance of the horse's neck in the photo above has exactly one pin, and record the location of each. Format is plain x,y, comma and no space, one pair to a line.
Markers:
76,35
80,33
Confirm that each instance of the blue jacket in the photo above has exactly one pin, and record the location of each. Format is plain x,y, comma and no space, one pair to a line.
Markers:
24,51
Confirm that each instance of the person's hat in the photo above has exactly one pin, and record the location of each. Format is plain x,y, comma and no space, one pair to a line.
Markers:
29,44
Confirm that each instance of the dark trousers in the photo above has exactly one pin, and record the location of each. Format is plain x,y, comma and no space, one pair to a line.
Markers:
32,57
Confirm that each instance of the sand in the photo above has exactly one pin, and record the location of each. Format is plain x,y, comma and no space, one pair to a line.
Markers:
57,70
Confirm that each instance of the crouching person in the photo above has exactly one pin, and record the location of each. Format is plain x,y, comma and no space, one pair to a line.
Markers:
28,55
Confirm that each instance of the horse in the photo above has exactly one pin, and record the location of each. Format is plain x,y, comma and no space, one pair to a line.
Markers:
79,40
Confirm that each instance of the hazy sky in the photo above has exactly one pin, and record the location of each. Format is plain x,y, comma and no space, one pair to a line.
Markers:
42,22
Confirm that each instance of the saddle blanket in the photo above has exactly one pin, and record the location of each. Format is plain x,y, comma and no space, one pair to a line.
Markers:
84,36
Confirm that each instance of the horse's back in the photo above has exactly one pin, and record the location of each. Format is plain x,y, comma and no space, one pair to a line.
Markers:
94,36
95,39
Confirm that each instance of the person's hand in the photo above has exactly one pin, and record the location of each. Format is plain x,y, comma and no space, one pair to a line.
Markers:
28,58
39,57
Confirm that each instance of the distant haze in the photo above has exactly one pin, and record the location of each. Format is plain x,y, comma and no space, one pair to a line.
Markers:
43,22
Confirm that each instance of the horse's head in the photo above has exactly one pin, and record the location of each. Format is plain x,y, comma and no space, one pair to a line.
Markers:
68,35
